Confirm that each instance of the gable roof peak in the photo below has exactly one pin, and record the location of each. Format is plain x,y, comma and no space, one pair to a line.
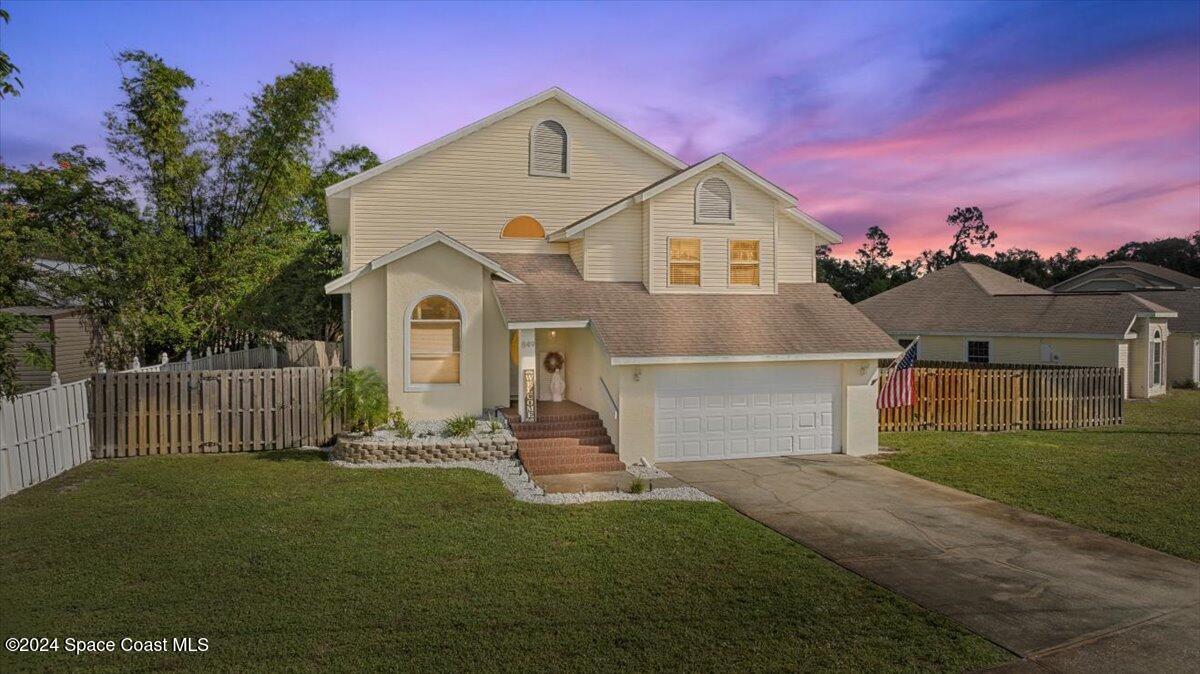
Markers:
554,92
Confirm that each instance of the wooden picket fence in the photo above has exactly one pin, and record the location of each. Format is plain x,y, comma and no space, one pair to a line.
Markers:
972,397
43,434
138,413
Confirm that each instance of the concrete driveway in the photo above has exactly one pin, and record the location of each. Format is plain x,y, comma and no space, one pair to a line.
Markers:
1063,598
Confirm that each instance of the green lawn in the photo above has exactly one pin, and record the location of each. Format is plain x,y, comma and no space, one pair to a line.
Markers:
283,561
1139,481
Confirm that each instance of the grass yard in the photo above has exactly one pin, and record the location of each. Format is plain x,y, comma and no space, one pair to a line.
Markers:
1139,481
283,561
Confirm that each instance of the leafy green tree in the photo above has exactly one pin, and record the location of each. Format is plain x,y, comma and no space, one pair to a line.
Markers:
10,84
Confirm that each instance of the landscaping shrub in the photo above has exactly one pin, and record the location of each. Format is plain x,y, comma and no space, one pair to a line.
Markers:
399,424
459,427
360,397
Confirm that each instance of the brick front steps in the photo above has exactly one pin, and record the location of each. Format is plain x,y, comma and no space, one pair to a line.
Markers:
566,438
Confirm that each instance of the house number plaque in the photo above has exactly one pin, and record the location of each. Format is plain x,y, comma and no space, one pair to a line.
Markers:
530,396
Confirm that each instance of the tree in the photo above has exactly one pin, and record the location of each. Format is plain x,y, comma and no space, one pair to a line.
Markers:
10,84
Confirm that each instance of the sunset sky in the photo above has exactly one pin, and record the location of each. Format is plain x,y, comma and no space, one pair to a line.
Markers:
1069,124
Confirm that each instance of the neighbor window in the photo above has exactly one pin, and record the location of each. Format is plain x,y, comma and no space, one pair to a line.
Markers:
979,352
548,149
714,201
434,342
743,263
1156,354
684,262
523,227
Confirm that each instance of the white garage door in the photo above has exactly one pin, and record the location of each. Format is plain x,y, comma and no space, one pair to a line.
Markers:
746,412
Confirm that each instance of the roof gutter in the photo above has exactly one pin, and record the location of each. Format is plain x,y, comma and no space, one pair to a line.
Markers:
768,358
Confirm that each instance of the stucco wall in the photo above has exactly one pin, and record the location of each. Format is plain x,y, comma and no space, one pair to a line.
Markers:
1070,350
586,364
436,270
496,352
1181,358
368,323
857,425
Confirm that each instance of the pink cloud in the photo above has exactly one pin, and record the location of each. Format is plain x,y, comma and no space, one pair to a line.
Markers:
1091,160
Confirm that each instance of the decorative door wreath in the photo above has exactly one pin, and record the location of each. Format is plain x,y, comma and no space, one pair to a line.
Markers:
553,362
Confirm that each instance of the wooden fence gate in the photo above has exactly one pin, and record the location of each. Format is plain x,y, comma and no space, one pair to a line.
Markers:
144,412
961,397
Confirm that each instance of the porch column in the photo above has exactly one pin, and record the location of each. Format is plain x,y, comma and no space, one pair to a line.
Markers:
527,381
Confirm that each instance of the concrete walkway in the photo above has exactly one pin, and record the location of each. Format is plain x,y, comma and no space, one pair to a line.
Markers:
1063,598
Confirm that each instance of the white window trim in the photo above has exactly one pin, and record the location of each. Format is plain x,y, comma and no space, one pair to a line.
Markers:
696,203
462,331
967,349
729,264
1157,338
566,150
699,262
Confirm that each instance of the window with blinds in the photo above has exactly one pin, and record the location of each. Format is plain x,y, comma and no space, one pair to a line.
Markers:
683,262
743,263
714,201
548,149
434,342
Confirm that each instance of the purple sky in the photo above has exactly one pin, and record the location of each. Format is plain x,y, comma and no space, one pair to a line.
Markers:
1069,124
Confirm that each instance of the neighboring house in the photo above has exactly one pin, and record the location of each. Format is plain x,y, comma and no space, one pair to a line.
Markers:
68,348
682,298
1174,290
971,313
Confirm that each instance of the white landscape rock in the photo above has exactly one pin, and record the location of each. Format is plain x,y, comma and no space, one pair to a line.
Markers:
513,476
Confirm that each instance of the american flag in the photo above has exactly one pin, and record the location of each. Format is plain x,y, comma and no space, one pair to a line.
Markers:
897,388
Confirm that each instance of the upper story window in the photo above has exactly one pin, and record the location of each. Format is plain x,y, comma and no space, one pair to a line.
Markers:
523,227
714,201
743,263
434,342
1156,357
548,149
683,262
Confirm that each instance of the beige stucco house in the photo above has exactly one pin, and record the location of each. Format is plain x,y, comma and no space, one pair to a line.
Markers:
682,298
1174,290
968,312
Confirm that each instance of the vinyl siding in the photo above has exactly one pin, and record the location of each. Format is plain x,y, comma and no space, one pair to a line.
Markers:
1181,358
470,188
673,215
31,378
613,248
575,248
796,254
72,339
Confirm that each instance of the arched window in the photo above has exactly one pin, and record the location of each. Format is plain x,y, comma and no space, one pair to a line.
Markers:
548,149
523,227
434,342
714,201
1156,357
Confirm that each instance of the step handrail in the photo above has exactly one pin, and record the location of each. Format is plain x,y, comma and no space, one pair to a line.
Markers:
611,401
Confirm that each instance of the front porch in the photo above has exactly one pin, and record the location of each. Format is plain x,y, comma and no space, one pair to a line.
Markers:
566,438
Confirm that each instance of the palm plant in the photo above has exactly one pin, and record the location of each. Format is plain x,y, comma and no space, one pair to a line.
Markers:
360,397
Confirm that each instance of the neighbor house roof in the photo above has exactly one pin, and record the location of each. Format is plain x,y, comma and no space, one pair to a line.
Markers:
803,322
41,311
339,285
971,299
659,186
1114,270
1186,303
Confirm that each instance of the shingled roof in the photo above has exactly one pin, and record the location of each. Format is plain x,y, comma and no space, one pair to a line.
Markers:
631,323
968,298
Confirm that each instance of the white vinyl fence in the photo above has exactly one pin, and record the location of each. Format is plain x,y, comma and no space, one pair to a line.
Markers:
257,358
43,434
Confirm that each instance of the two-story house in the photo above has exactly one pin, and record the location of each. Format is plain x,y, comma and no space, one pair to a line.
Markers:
682,299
